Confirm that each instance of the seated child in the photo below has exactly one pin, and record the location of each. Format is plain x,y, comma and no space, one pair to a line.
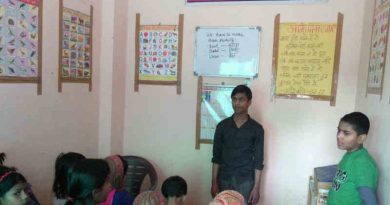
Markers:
63,163
174,190
88,182
33,200
356,179
149,198
13,187
118,169
228,197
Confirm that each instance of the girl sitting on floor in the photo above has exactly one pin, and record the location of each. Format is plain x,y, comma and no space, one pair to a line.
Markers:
13,187
63,163
118,169
88,182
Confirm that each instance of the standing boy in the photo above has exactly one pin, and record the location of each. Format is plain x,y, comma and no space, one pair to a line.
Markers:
356,179
238,150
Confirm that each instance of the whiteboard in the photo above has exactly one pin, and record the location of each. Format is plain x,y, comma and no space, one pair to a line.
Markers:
227,51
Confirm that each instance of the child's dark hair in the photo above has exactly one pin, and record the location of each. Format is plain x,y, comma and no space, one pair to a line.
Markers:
359,122
242,89
64,162
174,186
9,178
83,178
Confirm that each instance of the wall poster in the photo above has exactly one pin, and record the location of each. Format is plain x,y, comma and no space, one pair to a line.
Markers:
158,54
75,64
378,49
306,60
20,41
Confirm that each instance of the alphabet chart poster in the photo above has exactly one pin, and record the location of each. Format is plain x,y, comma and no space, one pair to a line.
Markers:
76,44
158,53
19,29
378,48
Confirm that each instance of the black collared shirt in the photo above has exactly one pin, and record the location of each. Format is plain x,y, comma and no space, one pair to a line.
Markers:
238,151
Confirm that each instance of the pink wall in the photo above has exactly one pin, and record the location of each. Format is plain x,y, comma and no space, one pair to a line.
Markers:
118,78
300,135
34,129
160,125
377,109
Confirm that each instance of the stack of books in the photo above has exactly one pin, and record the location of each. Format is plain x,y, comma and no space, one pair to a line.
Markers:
320,184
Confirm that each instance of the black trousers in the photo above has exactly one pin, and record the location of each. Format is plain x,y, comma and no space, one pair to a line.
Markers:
244,187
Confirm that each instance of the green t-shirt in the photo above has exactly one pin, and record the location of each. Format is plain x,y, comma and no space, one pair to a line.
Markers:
356,169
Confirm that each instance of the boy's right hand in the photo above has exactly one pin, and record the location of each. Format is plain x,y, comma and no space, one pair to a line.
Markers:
214,189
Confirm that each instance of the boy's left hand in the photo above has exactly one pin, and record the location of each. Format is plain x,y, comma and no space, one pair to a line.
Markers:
255,196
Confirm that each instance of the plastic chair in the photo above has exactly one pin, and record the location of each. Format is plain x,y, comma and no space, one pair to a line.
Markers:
138,168
2,158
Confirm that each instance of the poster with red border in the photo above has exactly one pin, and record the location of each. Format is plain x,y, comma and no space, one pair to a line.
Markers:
253,1
19,30
158,54
32,2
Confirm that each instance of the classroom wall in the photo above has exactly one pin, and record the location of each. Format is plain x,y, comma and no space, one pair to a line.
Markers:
35,129
299,135
377,109
159,125
106,59
118,77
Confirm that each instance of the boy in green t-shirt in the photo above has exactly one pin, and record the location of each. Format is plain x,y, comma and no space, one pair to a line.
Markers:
356,179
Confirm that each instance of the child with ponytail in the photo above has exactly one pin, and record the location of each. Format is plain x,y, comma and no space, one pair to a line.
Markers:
64,162
88,182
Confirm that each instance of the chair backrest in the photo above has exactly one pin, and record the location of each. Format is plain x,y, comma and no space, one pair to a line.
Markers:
138,168
2,158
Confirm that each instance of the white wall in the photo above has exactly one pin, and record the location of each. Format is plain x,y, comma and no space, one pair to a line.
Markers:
34,129
300,135
377,109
